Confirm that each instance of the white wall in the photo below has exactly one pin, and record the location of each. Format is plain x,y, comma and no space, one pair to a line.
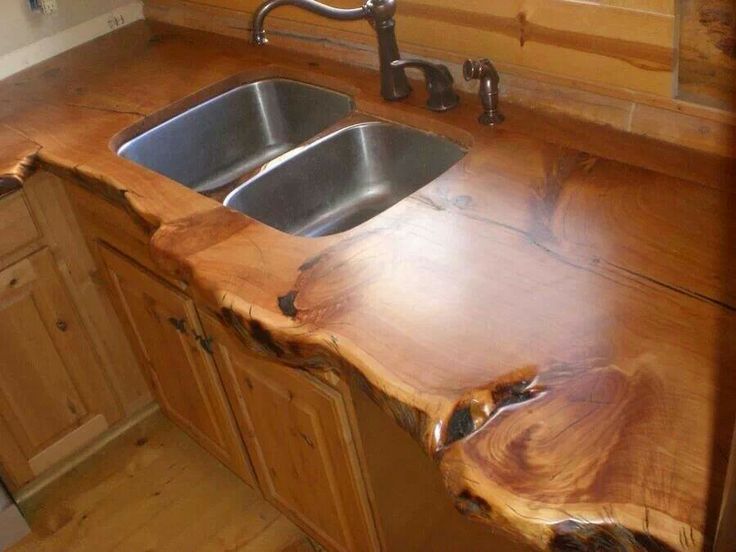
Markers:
28,37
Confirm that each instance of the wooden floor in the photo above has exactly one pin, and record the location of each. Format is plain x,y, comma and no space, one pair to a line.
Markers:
152,489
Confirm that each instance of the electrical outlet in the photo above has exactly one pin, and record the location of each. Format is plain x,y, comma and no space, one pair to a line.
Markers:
115,21
48,6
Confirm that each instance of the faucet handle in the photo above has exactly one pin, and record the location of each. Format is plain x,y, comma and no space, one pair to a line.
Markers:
439,81
484,71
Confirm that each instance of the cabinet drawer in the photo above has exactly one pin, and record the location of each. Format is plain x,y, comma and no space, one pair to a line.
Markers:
17,228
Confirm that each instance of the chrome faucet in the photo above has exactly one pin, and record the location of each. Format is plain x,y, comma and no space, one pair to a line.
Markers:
379,13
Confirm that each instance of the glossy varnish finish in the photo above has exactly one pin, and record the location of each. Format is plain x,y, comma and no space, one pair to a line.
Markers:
552,319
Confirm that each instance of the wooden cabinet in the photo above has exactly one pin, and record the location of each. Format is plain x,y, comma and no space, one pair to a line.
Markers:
299,436
19,234
50,204
164,325
54,397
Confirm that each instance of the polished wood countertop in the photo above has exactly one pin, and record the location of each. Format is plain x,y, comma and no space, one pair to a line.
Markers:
553,319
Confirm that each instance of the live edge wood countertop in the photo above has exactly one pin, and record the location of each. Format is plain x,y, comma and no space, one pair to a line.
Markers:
552,319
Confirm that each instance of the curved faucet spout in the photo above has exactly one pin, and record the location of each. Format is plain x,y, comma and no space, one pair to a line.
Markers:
342,14
380,13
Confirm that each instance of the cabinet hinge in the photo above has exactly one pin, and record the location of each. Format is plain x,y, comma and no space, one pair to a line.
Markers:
205,343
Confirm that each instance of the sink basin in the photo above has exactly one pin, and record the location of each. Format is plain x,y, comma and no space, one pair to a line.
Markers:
344,179
213,143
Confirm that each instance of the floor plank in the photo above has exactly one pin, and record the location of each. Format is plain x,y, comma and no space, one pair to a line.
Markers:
151,489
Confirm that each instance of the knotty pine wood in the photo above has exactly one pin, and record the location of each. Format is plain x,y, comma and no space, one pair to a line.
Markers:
664,118
707,52
300,439
56,216
19,234
616,45
54,397
537,298
153,488
163,325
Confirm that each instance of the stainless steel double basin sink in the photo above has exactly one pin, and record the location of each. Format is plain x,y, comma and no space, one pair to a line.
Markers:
310,182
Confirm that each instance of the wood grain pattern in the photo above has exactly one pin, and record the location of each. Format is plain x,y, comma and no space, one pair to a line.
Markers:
18,231
552,319
163,324
18,152
56,217
598,42
153,488
409,492
707,53
664,118
51,381
299,437
72,442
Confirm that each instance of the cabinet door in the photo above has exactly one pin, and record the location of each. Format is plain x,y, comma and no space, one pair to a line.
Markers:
163,323
54,397
300,441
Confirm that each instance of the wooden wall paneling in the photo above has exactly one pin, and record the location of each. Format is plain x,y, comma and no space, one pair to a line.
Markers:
707,52
695,126
599,42
55,214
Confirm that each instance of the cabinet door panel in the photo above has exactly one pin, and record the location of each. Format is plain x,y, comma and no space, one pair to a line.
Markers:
18,231
38,396
51,385
164,324
300,441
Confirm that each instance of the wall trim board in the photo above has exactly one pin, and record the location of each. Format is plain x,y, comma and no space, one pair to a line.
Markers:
47,47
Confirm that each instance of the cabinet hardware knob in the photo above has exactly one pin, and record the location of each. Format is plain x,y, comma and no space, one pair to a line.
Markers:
179,323
61,325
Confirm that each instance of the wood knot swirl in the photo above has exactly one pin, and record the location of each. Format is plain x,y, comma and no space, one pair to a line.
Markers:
573,536
476,408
